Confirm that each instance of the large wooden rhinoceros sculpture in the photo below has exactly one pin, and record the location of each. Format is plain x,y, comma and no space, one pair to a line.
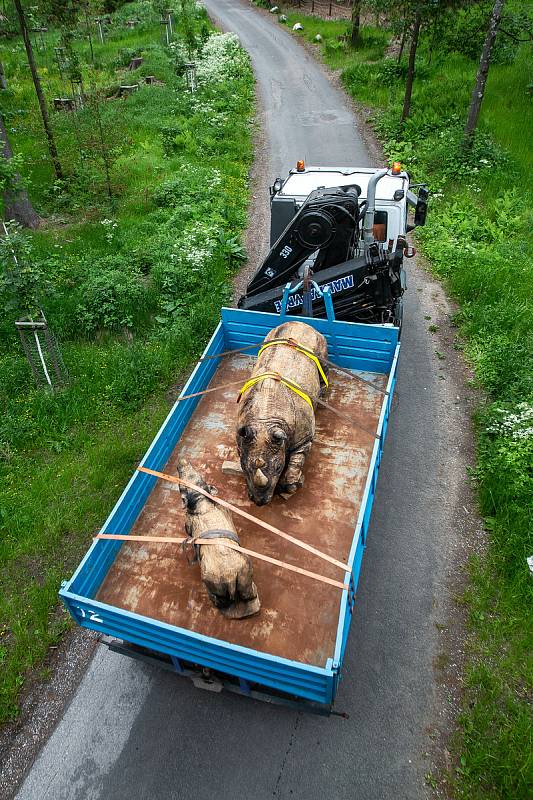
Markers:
276,422
226,573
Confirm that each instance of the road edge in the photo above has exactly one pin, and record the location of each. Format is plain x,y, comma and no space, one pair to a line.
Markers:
42,705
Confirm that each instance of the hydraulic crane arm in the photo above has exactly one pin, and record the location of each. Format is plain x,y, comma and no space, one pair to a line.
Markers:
326,224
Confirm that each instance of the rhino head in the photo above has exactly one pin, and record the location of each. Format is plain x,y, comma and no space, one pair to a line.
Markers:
193,501
263,452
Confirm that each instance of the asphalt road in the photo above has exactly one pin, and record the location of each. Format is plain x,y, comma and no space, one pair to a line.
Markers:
133,732
304,116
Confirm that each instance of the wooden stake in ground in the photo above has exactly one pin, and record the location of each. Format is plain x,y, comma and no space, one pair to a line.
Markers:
38,90
482,73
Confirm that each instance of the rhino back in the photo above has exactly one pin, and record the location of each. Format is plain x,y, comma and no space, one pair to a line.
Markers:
210,517
271,400
302,333
292,364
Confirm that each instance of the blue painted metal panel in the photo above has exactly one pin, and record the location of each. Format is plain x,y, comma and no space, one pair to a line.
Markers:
368,347
363,520
365,347
312,683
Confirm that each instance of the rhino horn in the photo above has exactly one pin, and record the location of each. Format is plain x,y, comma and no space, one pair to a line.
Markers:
260,479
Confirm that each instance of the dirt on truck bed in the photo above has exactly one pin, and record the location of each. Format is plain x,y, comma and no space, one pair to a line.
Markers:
299,616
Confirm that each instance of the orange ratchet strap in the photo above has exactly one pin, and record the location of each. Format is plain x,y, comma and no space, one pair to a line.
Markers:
250,517
231,545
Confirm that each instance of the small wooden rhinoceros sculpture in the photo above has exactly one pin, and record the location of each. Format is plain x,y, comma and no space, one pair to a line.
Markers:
276,423
226,573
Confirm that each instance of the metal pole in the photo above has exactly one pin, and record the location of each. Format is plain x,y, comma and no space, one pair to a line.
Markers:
43,362
368,225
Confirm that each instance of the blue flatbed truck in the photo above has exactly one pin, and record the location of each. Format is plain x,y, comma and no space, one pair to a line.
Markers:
148,602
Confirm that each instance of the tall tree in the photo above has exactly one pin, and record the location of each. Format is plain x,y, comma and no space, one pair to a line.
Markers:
88,28
38,90
355,34
411,66
478,91
17,204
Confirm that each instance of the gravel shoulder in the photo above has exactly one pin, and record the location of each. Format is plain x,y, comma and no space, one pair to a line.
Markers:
43,703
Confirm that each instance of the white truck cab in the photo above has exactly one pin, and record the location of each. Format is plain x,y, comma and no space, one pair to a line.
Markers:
392,192
347,227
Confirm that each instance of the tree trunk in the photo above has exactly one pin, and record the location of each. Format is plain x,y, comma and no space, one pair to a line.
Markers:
356,23
402,42
17,204
411,68
38,91
3,82
482,73
88,24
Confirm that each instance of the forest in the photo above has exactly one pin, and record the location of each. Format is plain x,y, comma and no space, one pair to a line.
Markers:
125,185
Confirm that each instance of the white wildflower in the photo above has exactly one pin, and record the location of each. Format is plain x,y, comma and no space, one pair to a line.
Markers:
516,424
222,58
110,226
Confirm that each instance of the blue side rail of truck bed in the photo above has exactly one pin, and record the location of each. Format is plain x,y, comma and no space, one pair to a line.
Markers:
353,346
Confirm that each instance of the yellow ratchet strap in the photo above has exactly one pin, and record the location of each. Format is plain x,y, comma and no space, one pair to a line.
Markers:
301,349
295,387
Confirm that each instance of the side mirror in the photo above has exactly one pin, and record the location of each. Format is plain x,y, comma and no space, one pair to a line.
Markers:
276,187
421,208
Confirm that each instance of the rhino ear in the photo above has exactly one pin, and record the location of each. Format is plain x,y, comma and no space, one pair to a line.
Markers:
278,436
212,489
246,433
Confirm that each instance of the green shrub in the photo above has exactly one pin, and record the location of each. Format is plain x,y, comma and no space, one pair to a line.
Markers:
143,12
22,281
390,71
110,299
464,31
124,56
191,185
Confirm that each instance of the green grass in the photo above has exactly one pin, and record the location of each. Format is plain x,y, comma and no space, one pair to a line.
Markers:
51,504
479,241
132,288
373,41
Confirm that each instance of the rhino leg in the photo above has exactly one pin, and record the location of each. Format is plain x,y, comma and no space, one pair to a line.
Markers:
221,590
292,477
246,588
246,605
247,600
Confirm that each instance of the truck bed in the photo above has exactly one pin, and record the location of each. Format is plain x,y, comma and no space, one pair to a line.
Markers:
150,597
299,616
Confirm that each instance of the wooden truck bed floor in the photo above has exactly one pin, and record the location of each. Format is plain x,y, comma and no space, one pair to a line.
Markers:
299,616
